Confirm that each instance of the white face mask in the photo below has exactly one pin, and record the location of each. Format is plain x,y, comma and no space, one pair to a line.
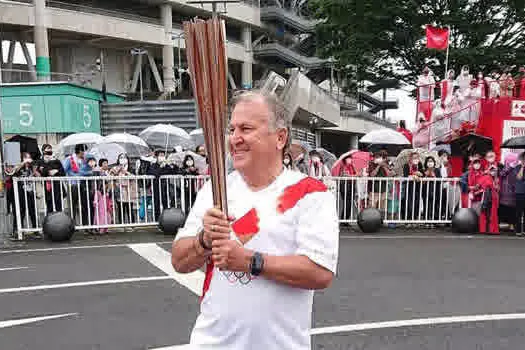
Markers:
444,160
477,166
415,161
286,161
378,160
28,160
491,159
161,158
189,163
123,161
316,160
430,164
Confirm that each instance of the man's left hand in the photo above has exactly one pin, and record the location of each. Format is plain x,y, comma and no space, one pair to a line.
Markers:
230,255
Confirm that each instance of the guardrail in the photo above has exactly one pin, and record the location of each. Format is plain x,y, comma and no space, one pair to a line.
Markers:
99,203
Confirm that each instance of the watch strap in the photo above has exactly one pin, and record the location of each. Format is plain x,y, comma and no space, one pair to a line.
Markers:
201,241
257,264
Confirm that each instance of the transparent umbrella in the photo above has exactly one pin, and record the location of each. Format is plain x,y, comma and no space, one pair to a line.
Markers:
167,136
133,145
109,151
329,158
178,159
67,145
197,136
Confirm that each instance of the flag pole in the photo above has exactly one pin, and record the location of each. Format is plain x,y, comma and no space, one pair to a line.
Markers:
446,59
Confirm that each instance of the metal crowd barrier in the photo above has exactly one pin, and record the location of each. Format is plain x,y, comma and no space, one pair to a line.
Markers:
400,200
104,202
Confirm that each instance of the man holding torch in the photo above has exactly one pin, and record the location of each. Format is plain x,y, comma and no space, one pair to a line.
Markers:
279,243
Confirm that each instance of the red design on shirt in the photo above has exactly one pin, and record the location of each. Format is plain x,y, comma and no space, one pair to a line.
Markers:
207,278
247,226
294,193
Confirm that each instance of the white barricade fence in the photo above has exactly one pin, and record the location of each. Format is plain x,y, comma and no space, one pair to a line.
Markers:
94,202
400,200
103,202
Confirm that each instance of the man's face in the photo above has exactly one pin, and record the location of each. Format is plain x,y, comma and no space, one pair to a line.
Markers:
252,142
104,166
490,157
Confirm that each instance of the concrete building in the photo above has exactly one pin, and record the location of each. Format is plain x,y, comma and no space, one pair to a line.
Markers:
138,46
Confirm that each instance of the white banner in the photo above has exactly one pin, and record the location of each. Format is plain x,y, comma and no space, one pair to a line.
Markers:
518,108
513,128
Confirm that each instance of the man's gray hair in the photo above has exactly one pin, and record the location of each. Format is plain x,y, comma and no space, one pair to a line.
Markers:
280,117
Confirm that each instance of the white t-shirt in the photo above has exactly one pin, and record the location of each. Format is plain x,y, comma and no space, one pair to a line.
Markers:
263,314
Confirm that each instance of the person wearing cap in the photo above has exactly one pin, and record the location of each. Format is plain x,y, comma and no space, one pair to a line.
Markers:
74,166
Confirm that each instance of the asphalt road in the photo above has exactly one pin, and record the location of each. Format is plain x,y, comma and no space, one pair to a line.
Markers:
122,295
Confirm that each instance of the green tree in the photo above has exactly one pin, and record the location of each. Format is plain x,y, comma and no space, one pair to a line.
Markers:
378,39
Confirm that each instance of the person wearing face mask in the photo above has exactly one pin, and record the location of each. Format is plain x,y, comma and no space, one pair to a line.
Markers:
26,192
75,166
190,181
488,218
414,171
445,172
345,168
426,84
378,188
463,80
52,167
161,189
430,189
125,192
288,162
475,175
318,169
447,85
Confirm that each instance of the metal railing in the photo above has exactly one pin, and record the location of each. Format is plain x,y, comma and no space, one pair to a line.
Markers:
107,202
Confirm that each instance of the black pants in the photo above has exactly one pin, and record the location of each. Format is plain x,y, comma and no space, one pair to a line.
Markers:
125,212
27,207
82,204
520,210
53,199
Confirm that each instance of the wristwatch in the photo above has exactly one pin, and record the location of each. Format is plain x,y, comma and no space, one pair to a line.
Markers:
201,241
256,264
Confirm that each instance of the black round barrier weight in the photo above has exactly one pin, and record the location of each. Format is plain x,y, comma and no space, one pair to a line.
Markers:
465,220
58,226
171,220
369,220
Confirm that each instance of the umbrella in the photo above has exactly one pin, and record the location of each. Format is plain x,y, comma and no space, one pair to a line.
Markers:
178,158
109,151
166,136
514,143
470,143
197,136
27,144
329,158
385,137
67,145
133,145
360,160
299,147
404,157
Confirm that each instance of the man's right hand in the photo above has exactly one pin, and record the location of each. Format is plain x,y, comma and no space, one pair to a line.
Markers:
216,225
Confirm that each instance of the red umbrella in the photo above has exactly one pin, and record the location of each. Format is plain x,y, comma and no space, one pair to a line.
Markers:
360,160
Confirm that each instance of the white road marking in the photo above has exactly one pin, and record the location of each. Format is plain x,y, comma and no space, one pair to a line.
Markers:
14,251
162,260
13,268
394,324
82,284
416,322
22,321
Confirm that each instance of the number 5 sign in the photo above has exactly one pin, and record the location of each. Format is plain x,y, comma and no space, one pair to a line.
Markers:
26,115
86,116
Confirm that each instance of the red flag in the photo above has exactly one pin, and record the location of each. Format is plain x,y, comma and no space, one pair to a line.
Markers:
437,38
